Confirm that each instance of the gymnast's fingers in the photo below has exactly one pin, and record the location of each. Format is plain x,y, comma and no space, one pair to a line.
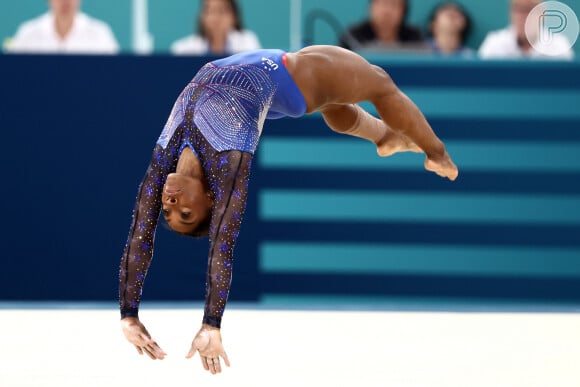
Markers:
217,365
149,353
204,362
191,353
225,356
158,350
211,365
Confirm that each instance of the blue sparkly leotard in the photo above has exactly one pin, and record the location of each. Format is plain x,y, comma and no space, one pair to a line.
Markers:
220,115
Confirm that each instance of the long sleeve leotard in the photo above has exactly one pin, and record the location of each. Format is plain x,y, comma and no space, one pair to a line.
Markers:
219,115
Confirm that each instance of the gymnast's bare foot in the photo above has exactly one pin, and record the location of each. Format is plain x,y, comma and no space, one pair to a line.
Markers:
394,142
443,166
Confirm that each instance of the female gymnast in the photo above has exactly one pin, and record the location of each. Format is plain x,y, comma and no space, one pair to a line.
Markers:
198,175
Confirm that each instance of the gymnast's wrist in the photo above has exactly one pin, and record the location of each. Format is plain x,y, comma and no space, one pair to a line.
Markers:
209,327
129,312
212,321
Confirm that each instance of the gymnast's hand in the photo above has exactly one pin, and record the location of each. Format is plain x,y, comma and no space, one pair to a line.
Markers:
137,335
208,342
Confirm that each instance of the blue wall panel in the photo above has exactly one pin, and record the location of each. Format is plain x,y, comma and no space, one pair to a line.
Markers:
78,131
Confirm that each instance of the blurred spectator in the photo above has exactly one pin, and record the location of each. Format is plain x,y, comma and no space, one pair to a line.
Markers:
64,29
385,28
449,27
220,32
511,42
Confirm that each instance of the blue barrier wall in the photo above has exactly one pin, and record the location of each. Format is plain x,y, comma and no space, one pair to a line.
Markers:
326,217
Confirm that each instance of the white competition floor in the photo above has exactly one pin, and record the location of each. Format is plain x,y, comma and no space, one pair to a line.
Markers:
83,346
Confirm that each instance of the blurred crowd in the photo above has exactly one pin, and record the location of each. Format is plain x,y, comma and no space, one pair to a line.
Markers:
64,28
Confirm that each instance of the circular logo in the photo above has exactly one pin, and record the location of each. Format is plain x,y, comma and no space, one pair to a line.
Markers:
552,28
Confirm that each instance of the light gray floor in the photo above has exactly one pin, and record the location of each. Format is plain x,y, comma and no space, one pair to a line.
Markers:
76,347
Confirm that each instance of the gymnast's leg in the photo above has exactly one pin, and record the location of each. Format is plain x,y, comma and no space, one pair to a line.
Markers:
400,113
354,121
402,126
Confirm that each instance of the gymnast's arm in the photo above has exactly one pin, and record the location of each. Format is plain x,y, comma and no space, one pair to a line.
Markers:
139,247
139,251
228,179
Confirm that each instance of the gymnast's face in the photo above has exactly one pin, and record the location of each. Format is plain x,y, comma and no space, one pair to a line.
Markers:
185,203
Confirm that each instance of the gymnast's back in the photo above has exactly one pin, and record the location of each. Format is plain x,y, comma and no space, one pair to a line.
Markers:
287,99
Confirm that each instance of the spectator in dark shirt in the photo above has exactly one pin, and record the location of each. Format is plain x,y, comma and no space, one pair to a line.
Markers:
385,28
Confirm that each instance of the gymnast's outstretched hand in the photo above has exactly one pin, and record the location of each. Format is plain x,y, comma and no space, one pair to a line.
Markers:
137,335
208,341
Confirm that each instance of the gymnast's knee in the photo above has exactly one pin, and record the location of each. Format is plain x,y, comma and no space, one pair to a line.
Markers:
384,80
341,118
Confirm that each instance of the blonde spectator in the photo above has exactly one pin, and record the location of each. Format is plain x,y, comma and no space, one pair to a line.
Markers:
220,32
64,29
512,42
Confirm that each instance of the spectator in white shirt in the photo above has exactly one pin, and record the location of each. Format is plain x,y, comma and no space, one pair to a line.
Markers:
512,42
220,32
64,29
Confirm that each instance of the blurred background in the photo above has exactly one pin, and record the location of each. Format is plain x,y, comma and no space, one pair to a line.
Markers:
283,24
327,222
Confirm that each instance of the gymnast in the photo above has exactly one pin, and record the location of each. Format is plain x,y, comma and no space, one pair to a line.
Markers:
198,175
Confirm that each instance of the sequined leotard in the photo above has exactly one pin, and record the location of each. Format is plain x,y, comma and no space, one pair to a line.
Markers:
219,115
